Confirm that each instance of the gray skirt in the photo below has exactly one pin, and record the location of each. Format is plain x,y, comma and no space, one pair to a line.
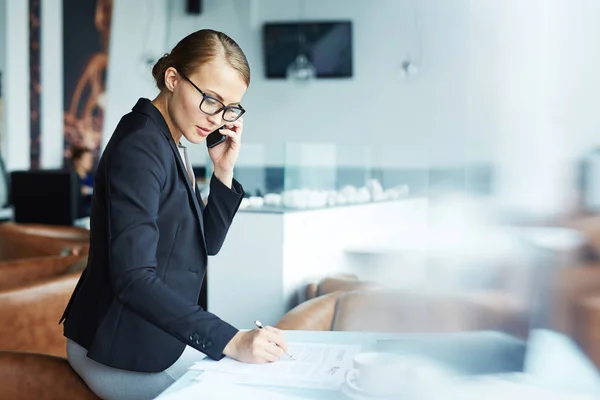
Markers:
113,383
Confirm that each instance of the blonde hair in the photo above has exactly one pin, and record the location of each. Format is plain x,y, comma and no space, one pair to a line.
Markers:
199,48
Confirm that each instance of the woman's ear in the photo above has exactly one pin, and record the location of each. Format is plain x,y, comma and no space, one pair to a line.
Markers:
171,79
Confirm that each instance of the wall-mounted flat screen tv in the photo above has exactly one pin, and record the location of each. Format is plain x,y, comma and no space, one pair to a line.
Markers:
327,45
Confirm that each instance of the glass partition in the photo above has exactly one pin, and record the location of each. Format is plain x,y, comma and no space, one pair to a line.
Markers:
298,176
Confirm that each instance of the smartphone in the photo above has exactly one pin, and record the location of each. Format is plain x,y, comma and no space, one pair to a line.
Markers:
215,138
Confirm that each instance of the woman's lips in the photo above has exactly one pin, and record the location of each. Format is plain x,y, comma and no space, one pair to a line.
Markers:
202,131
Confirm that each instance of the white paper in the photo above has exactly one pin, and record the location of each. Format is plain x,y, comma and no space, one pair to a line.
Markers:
254,380
321,366
214,391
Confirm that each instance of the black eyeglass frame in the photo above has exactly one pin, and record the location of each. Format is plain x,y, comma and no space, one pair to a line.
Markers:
223,109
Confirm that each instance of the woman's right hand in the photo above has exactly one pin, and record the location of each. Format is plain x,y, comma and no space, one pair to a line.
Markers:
257,346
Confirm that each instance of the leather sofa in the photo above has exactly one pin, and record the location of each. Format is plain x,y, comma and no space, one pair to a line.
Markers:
27,376
344,302
21,272
421,312
31,253
18,241
31,314
316,313
339,282
572,307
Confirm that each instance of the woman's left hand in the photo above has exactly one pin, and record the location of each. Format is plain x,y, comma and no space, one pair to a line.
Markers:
225,155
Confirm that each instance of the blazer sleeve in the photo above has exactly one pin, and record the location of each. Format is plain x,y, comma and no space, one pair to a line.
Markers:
135,177
218,214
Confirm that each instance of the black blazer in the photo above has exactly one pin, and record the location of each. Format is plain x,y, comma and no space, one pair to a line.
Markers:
136,304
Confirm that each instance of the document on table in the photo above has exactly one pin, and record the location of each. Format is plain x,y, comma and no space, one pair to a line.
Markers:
319,366
213,391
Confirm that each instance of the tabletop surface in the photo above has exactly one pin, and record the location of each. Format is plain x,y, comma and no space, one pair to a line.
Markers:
507,352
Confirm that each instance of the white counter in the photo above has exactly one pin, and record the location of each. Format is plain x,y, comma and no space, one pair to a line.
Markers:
268,258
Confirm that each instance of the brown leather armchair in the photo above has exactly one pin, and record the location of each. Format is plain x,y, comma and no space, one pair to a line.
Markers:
329,284
29,270
26,376
339,283
317,312
67,234
31,314
29,241
414,312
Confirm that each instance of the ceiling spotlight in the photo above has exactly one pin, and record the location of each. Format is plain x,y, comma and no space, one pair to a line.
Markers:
408,69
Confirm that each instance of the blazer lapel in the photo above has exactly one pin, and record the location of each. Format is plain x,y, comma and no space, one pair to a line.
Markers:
145,106
191,188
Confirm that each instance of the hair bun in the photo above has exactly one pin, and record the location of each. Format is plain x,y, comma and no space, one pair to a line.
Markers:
159,68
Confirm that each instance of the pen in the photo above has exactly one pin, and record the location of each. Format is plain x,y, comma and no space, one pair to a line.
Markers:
259,325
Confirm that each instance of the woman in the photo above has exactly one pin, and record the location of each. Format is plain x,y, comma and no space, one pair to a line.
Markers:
82,160
133,324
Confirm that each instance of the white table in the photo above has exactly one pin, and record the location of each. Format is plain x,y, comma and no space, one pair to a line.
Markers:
493,352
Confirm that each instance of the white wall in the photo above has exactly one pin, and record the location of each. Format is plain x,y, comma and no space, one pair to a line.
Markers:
409,122
137,34
426,114
427,118
15,146
532,146
446,114
52,85
14,62
577,60
451,112
3,69
533,94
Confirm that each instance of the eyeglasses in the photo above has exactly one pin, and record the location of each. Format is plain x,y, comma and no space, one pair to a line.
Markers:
211,106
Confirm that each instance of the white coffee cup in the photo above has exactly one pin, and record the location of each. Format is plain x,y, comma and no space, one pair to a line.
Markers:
374,373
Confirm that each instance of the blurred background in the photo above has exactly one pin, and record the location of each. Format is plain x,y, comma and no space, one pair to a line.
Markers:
410,165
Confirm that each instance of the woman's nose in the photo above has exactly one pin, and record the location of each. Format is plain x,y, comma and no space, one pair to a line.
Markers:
215,119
